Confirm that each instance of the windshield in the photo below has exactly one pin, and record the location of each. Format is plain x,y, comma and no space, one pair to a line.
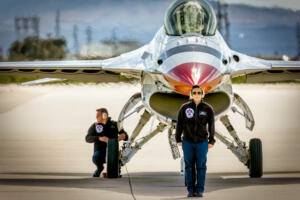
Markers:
190,16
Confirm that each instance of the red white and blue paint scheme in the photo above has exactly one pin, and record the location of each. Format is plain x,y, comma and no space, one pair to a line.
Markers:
187,50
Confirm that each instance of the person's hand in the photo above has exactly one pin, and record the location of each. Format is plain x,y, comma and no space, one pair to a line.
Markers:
210,146
103,139
122,136
179,144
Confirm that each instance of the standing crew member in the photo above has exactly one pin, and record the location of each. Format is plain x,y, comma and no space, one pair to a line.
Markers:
193,118
99,133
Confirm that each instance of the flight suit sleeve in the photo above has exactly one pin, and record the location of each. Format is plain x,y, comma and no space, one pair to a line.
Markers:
91,137
211,127
115,132
179,126
126,135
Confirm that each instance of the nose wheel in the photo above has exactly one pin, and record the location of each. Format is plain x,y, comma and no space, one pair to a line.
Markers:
255,163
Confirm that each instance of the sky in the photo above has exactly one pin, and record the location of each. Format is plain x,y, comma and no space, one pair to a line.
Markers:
129,19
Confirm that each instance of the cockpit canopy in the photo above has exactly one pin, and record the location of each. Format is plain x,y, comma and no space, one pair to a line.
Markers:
190,16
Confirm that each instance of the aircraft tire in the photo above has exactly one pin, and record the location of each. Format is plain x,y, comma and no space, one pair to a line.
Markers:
112,163
255,160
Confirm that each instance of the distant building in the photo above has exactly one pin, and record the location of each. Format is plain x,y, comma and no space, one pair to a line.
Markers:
108,48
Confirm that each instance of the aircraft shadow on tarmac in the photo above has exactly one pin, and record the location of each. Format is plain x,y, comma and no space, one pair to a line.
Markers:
165,184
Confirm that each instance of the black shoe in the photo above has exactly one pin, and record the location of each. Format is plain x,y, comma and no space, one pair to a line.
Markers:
97,173
190,194
198,194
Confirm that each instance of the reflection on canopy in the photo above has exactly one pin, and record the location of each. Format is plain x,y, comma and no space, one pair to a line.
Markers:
190,16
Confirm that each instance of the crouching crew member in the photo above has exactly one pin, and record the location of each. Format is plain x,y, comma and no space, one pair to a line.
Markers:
193,118
99,133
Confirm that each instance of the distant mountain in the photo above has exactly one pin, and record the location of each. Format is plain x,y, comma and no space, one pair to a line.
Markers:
260,17
264,31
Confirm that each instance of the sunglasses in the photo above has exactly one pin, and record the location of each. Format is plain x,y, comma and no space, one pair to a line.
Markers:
194,93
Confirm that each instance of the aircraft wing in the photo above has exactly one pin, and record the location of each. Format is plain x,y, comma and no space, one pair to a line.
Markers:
130,65
254,70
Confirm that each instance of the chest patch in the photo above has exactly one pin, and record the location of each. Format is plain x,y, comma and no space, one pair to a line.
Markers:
202,113
189,112
99,128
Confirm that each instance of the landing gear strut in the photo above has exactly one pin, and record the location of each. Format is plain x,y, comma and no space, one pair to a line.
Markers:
131,146
252,156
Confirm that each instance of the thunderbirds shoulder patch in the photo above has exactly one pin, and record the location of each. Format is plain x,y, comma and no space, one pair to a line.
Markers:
189,112
99,128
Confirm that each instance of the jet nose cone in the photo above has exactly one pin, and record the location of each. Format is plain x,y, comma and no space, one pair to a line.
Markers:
184,76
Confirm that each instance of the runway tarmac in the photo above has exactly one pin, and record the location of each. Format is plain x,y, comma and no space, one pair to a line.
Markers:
43,154
146,185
